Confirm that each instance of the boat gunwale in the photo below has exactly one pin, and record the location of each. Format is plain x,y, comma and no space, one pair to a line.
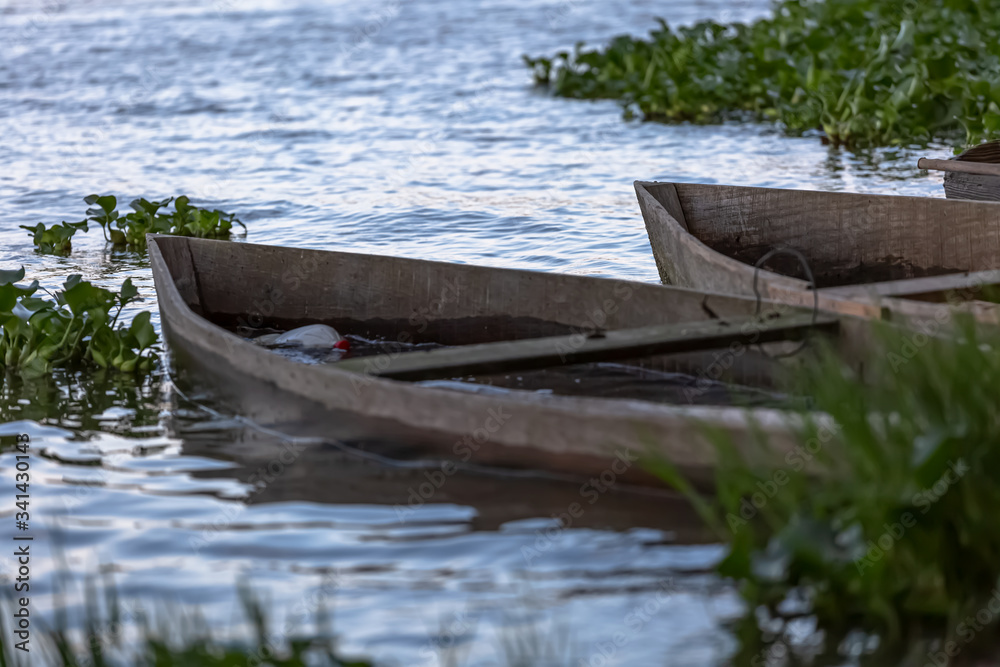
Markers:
885,196
796,291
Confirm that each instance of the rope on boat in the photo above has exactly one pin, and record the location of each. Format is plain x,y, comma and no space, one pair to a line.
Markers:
812,284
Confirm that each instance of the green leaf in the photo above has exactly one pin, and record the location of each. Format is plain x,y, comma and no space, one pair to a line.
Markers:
103,341
143,330
29,289
83,296
34,304
149,207
21,312
905,35
8,297
37,232
8,276
991,121
15,326
128,292
10,293
162,225
108,203
36,367
48,350
97,316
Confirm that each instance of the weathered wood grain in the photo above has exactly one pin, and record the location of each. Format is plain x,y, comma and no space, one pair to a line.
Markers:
972,186
505,357
186,278
988,152
847,239
981,178
935,288
960,166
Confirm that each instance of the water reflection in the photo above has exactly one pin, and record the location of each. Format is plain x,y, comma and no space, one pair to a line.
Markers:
163,483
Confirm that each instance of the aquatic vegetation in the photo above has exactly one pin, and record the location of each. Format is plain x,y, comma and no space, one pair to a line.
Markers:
75,327
897,534
864,72
57,239
130,229
175,637
79,399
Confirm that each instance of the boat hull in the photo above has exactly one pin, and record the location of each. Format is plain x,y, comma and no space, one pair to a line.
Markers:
916,259
980,187
199,283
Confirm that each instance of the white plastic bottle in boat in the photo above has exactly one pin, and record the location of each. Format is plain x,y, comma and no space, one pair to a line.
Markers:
311,336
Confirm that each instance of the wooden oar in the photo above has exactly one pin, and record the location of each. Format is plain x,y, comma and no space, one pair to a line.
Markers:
960,166
533,353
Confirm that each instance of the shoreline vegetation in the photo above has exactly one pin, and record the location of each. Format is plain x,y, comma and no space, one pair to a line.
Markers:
888,551
76,327
856,73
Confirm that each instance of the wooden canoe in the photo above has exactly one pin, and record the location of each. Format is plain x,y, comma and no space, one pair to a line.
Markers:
870,255
983,186
206,289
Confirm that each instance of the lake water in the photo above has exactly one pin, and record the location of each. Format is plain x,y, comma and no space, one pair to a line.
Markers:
400,127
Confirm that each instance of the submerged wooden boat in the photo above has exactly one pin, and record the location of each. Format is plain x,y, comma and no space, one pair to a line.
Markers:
500,326
870,255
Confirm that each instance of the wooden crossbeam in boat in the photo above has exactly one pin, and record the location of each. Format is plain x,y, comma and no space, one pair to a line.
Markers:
960,166
534,353
916,288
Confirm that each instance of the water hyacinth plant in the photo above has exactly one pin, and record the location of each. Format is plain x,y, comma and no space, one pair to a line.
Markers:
129,230
76,327
145,218
883,524
57,239
863,72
